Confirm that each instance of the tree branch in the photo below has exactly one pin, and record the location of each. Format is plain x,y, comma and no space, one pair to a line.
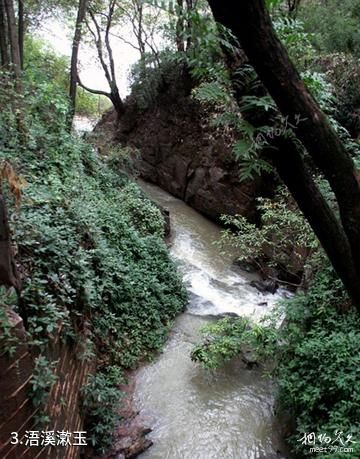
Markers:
93,91
98,43
107,41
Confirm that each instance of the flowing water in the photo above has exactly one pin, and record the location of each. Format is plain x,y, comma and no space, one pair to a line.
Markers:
198,414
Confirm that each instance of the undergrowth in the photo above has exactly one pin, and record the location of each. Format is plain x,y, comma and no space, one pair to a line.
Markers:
89,245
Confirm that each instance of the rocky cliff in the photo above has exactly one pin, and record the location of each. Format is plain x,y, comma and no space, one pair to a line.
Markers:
179,151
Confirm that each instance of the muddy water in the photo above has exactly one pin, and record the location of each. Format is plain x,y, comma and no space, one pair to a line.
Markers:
197,414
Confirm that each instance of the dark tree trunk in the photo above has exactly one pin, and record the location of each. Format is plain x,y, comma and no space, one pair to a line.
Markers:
288,161
189,9
13,38
251,24
140,29
293,7
117,102
8,271
180,45
74,57
15,66
3,36
21,31
286,156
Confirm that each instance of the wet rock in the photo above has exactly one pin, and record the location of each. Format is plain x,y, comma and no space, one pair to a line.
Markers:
130,436
194,298
132,441
199,304
245,266
228,314
264,303
265,286
249,358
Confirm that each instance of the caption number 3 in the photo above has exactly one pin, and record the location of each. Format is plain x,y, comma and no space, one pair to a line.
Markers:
14,438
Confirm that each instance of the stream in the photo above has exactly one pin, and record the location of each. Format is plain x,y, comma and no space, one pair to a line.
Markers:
196,413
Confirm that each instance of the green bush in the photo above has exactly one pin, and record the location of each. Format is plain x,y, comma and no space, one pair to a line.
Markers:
343,71
42,380
318,362
99,396
222,341
334,25
282,241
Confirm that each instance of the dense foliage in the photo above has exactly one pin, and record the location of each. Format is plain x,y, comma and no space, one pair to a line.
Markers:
89,243
333,24
44,65
283,240
315,352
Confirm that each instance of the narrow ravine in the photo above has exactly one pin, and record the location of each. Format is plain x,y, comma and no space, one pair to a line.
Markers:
197,414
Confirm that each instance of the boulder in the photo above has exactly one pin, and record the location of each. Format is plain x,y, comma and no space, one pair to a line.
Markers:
265,286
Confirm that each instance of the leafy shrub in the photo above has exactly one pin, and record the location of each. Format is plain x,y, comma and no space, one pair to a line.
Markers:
99,396
42,64
343,71
296,40
221,342
42,380
154,74
283,240
319,361
333,25
9,341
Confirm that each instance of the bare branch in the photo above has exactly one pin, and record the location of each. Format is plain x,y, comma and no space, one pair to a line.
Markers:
98,43
93,91
124,40
107,40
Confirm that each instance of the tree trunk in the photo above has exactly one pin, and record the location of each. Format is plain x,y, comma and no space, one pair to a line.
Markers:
8,271
3,36
286,156
290,166
189,8
250,22
180,45
117,102
21,31
13,38
293,7
140,29
74,57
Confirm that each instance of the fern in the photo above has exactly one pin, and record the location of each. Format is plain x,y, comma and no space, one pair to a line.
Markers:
213,93
253,102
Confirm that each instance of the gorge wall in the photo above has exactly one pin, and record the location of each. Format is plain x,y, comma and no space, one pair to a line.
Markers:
179,151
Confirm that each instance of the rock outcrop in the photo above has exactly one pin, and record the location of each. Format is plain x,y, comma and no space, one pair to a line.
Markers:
179,151
130,436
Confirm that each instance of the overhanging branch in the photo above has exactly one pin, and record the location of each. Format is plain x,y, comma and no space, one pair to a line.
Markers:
93,91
